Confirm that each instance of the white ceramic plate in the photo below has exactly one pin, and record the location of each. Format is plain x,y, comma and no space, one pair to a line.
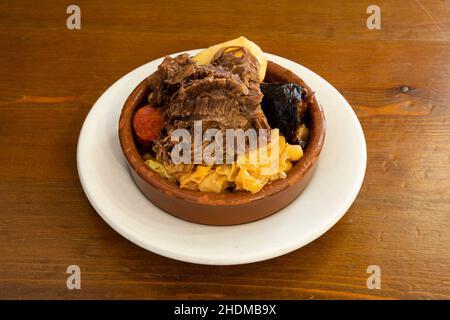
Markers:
109,187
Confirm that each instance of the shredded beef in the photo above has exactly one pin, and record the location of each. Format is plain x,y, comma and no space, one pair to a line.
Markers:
224,95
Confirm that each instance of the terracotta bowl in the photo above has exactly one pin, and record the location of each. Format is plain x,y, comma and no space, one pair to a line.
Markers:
228,208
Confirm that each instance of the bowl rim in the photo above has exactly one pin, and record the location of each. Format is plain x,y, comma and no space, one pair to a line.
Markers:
299,170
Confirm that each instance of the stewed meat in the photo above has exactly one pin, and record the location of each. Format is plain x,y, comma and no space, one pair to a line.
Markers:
224,95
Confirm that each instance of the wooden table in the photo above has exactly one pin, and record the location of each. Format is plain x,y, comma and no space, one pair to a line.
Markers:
397,79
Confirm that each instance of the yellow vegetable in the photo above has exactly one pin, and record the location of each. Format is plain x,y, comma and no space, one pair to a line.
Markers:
250,183
192,180
214,183
253,177
224,169
233,173
287,166
159,169
200,173
205,56
241,174
282,143
294,152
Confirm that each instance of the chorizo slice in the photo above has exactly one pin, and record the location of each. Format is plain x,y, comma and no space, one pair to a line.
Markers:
148,122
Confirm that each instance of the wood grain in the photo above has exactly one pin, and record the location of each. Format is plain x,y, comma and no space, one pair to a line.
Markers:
51,76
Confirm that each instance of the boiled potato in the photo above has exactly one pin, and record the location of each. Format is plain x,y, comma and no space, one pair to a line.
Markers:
205,56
